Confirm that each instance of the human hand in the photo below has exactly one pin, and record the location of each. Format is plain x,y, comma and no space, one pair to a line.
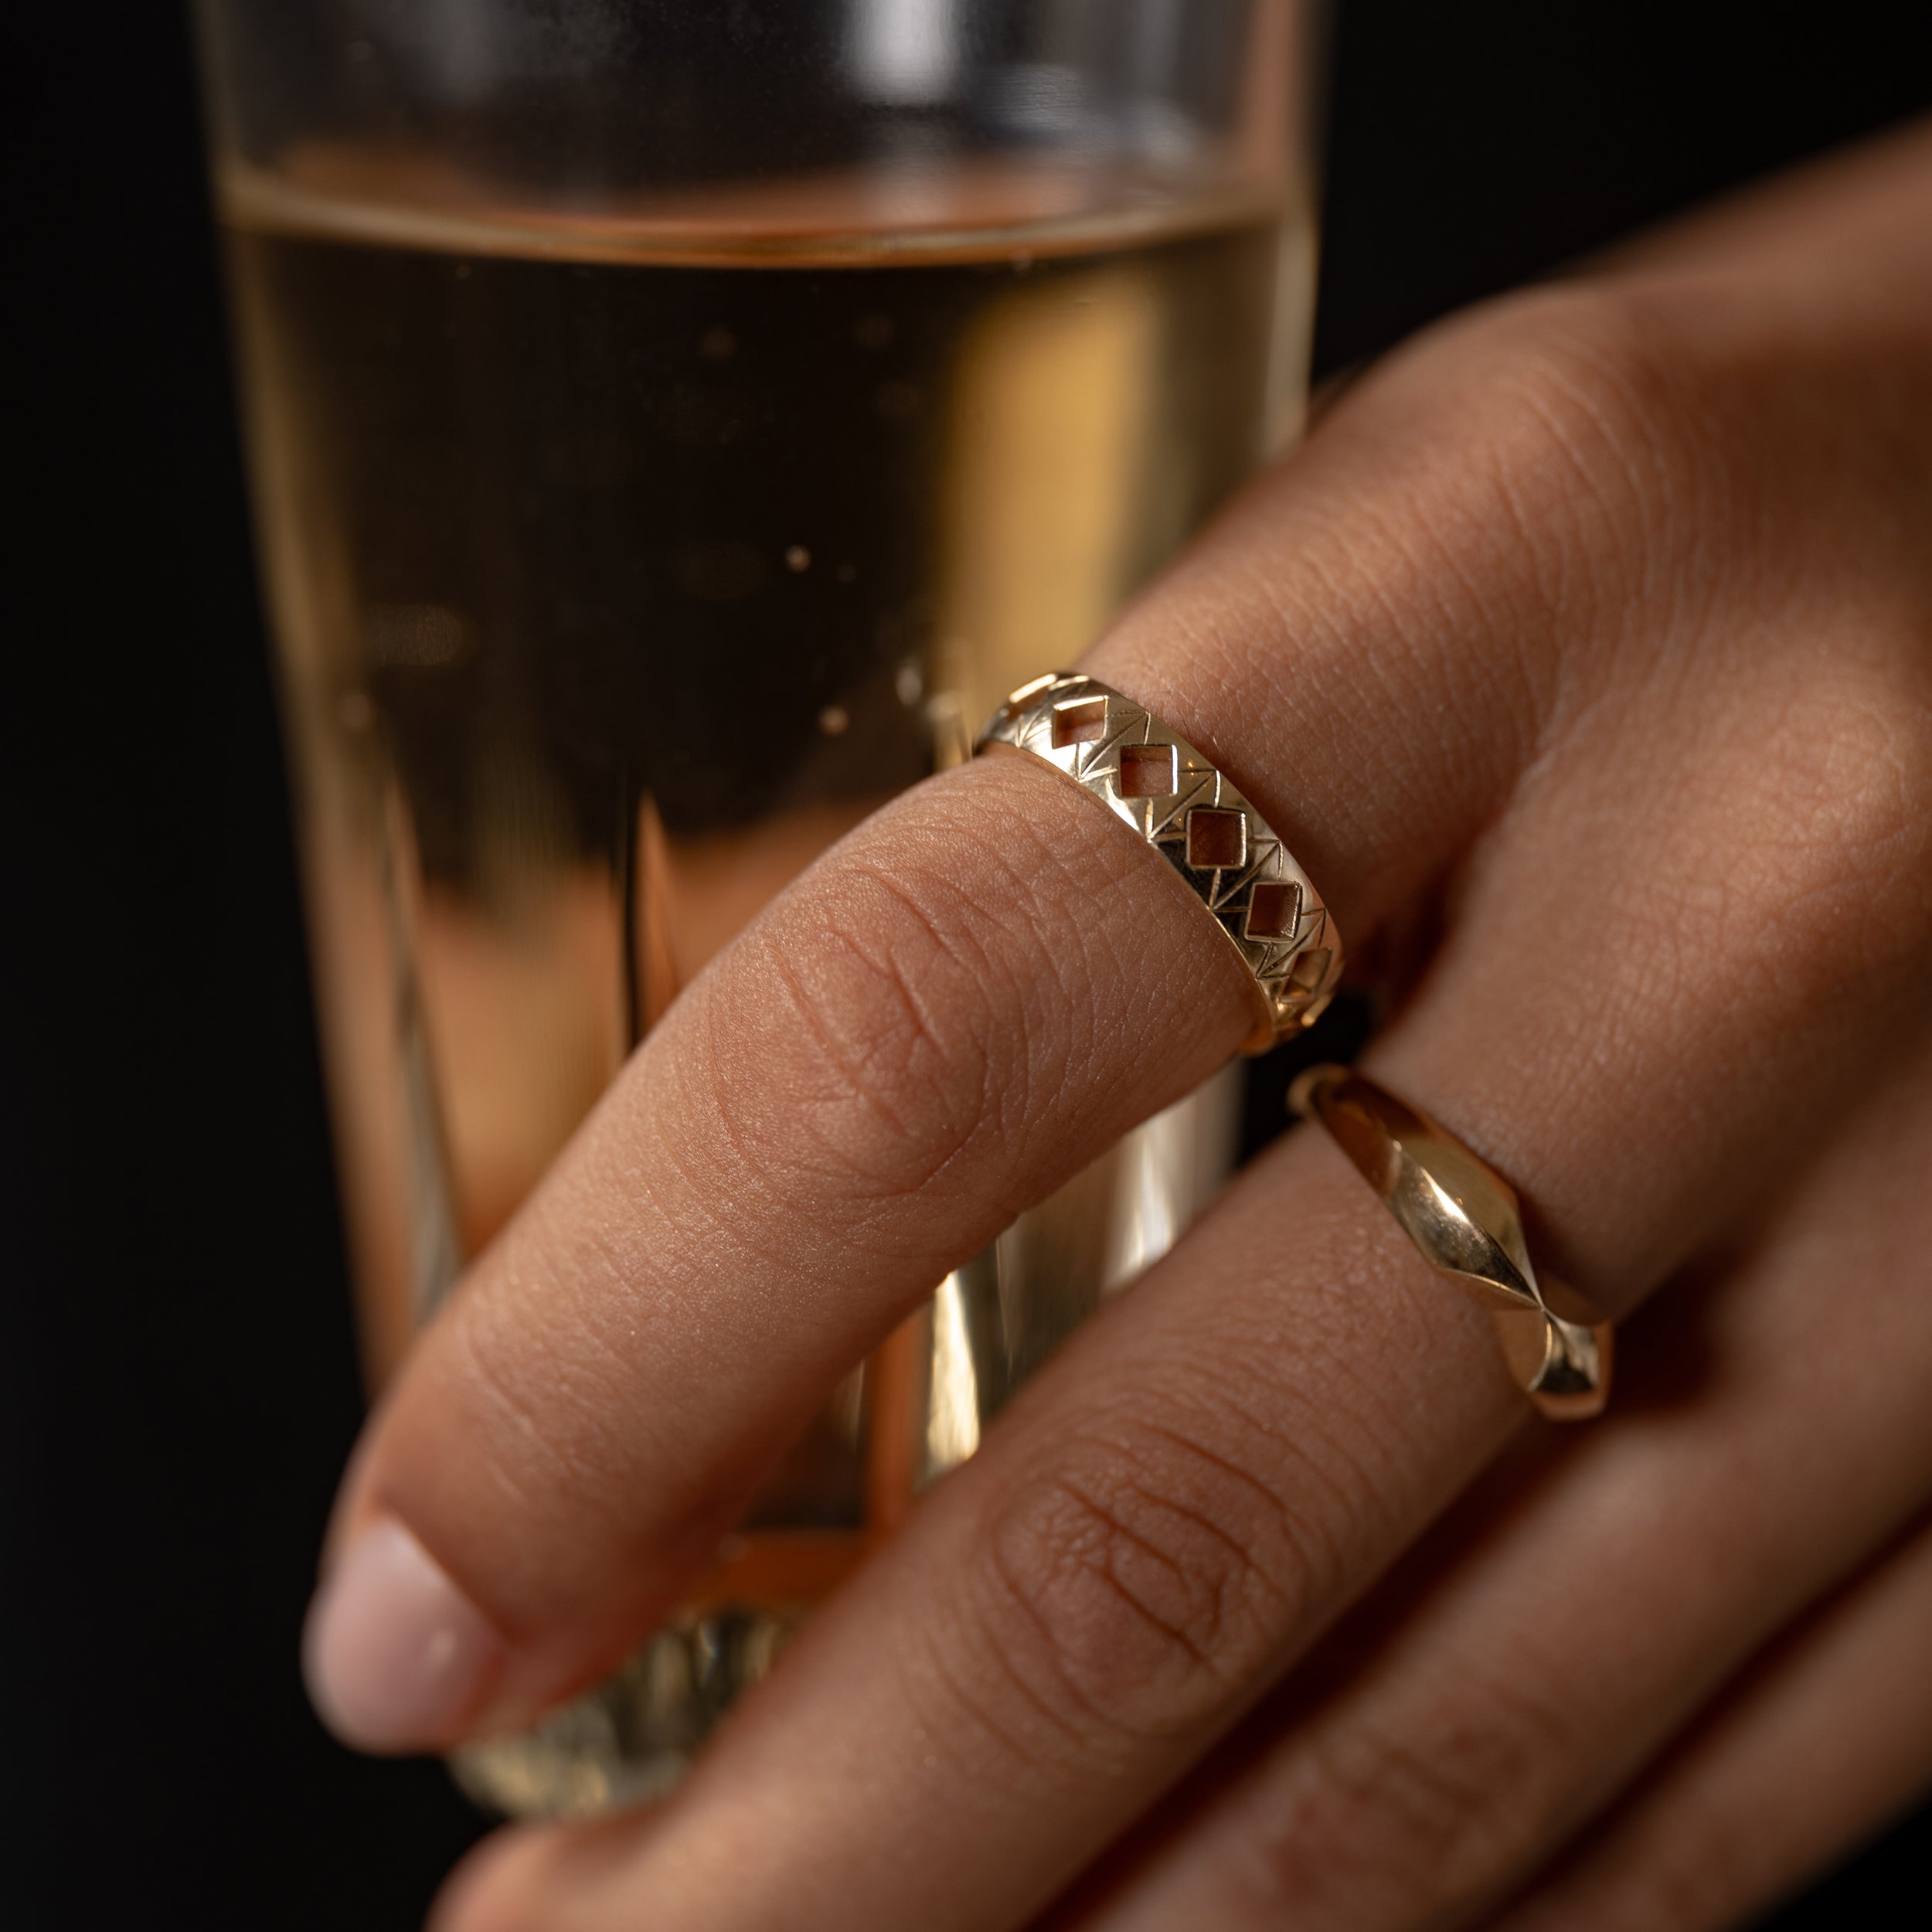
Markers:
1589,637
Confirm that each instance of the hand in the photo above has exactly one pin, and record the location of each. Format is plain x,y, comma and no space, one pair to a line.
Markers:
1591,636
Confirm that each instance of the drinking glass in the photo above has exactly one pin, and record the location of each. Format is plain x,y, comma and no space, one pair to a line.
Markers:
673,426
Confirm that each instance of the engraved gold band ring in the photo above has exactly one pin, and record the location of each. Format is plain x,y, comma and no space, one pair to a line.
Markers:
1165,792
1465,1219
1459,1212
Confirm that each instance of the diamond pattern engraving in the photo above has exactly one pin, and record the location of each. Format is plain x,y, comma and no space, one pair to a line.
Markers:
1165,792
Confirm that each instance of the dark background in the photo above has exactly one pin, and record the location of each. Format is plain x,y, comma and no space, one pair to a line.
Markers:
177,1389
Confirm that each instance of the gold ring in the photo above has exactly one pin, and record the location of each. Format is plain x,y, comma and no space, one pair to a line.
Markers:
1466,1220
1158,786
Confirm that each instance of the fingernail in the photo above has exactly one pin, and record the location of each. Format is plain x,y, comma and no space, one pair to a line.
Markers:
395,1657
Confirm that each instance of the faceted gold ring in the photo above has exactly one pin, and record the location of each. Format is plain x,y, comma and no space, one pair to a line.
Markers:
1163,790
1465,1218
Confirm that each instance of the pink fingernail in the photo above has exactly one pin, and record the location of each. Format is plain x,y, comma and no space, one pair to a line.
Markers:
395,1655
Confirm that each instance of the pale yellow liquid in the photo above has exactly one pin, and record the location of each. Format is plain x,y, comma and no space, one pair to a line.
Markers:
615,570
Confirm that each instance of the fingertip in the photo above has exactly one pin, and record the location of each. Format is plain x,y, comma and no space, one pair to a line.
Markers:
394,1656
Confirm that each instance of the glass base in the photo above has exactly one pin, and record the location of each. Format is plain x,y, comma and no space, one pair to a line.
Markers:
630,1740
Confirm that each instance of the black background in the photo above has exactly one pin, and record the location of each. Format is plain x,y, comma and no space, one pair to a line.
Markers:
177,1389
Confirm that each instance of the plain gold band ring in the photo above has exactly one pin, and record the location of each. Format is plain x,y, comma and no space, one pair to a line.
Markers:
1465,1219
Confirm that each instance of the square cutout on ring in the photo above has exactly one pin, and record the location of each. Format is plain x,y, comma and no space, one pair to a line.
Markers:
1084,723
1149,771
1217,839
1274,909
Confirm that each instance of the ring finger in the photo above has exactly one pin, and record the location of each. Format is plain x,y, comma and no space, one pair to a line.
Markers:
1760,1454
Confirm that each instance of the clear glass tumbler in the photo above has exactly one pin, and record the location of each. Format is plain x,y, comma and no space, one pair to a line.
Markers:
674,425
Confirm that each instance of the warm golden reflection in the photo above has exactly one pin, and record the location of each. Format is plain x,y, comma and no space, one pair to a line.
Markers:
953,1406
1051,414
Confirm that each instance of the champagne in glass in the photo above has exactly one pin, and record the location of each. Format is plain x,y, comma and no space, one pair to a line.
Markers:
625,546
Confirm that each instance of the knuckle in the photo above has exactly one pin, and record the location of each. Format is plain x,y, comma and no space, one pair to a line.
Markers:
1811,857
1150,1579
1409,1817
936,1002
887,1037
1559,464
489,1366
483,1377
1600,370
1589,425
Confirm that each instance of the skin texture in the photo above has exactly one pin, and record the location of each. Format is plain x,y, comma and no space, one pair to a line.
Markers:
1583,654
